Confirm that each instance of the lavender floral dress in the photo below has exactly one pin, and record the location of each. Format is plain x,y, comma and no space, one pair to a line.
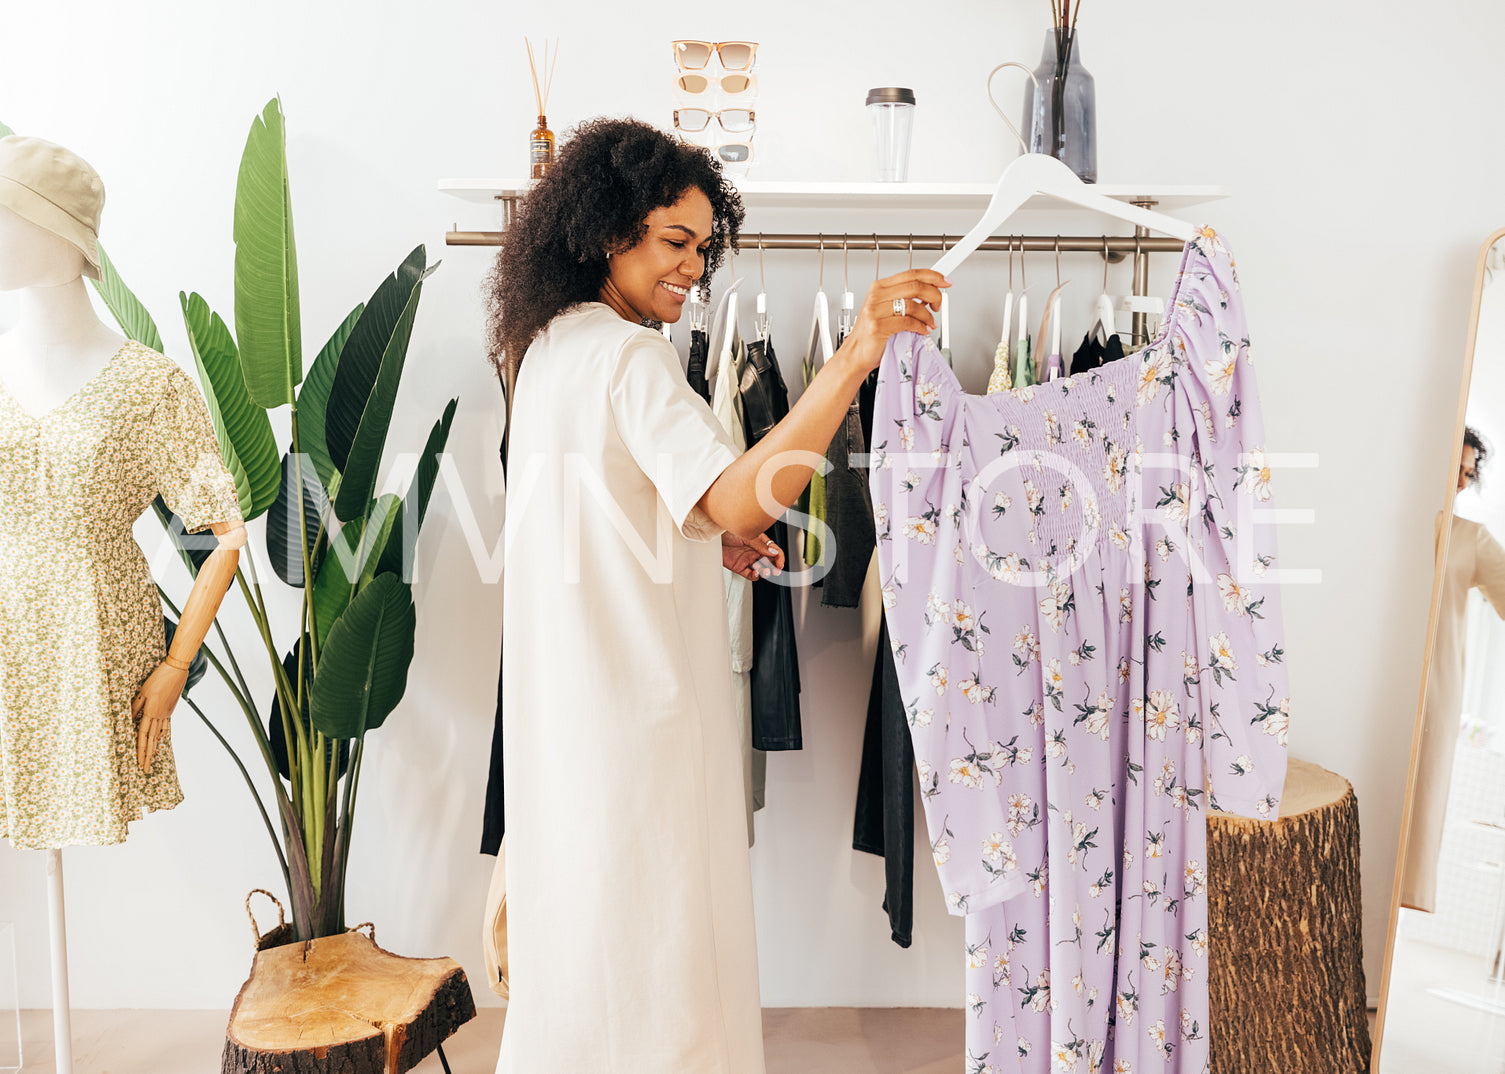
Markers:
1089,651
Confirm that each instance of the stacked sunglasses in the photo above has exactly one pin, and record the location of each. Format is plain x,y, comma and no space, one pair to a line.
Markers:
716,102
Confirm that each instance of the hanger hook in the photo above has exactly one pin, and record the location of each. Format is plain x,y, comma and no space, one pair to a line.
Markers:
1023,145
911,249
762,280
877,258
1023,262
1105,264
846,264
821,241
1011,264
1058,261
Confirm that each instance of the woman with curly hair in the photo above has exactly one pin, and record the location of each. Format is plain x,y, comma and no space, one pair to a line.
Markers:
629,895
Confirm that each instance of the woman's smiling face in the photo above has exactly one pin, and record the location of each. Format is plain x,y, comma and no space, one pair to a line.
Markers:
652,280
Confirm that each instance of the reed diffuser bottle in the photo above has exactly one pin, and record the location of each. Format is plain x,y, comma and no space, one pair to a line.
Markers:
541,148
541,140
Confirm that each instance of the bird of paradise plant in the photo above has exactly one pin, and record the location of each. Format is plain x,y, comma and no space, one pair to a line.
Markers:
327,532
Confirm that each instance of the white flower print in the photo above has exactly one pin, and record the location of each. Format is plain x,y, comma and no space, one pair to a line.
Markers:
880,515
966,772
939,677
1122,1066
975,691
906,436
1278,723
1128,1007
1154,370
1096,798
1209,242
1254,474
1236,598
977,955
1001,504
1163,549
890,598
921,528
1115,467
1223,662
1053,681
1034,497
940,850
1196,878
1119,538
1198,941
1156,1034
1035,713
1162,715
1220,368
1065,1056
1176,501
1055,606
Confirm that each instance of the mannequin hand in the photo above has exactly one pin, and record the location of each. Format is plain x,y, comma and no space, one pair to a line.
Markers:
876,321
751,557
152,709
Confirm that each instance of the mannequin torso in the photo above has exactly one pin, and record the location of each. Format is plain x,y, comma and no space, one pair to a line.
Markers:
59,344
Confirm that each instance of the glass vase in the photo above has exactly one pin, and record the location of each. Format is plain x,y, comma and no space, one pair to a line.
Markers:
1062,116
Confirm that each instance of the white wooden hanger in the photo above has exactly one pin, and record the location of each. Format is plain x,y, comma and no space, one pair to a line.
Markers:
820,325
1038,173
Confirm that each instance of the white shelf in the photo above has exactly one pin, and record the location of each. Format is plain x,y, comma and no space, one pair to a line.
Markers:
758,194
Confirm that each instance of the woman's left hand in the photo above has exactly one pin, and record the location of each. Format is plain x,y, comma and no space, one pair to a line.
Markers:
751,557
152,707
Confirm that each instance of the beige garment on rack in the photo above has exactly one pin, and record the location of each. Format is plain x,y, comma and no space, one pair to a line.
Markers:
1475,561
726,403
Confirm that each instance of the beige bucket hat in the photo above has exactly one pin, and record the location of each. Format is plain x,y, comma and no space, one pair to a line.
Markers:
56,190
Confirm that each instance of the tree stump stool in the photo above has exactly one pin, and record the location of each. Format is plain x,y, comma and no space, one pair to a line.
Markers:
1287,972
342,1005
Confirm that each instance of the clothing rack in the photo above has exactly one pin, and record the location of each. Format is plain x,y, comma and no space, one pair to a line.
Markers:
1113,248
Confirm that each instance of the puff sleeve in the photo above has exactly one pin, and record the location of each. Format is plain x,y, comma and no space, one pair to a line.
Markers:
185,464
669,430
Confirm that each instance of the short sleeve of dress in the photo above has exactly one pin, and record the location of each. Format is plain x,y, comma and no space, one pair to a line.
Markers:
936,632
669,430
1489,570
1238,645
186,467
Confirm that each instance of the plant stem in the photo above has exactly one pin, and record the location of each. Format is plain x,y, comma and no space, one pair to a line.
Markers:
292,729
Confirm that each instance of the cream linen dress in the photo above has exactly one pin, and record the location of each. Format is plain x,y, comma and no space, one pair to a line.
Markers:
629,895
1475,561
80,619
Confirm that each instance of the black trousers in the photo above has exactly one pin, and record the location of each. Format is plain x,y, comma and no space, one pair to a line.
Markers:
885,792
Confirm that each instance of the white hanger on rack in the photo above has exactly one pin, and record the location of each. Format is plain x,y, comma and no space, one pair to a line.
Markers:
1104,327
1037,173
945,312
760,318
848,300
820,325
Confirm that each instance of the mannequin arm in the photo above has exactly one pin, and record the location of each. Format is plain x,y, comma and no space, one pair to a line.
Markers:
159,694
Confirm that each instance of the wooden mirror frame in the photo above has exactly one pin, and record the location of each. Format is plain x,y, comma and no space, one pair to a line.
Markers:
1440,559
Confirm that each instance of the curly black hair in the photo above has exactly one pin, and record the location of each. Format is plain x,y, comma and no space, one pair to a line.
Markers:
609,175
1471,438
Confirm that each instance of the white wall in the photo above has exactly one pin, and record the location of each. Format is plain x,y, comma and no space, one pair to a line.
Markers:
1358,139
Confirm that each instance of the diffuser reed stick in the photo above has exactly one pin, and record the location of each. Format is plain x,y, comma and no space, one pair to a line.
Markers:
541,140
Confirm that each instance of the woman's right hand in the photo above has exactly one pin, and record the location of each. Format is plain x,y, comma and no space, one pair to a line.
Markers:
876,321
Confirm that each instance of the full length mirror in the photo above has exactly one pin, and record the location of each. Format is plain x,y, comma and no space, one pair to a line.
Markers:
1444,1005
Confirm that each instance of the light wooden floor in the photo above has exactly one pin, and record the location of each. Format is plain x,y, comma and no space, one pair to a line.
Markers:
832,1040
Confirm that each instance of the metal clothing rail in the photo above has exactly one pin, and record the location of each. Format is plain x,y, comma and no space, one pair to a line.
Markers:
1092,244
1112,248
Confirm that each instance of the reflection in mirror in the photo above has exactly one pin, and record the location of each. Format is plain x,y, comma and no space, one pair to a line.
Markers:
1445,1004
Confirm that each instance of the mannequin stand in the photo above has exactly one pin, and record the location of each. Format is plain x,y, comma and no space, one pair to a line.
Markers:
62,1015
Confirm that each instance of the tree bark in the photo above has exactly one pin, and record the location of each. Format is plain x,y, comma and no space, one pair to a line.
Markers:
1287,970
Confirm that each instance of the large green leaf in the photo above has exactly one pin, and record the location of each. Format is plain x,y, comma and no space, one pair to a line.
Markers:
127,309
244,433
358,473
275,737
397,555
352,561
313,400
363,669
299,491
267,323
5,131
361,359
